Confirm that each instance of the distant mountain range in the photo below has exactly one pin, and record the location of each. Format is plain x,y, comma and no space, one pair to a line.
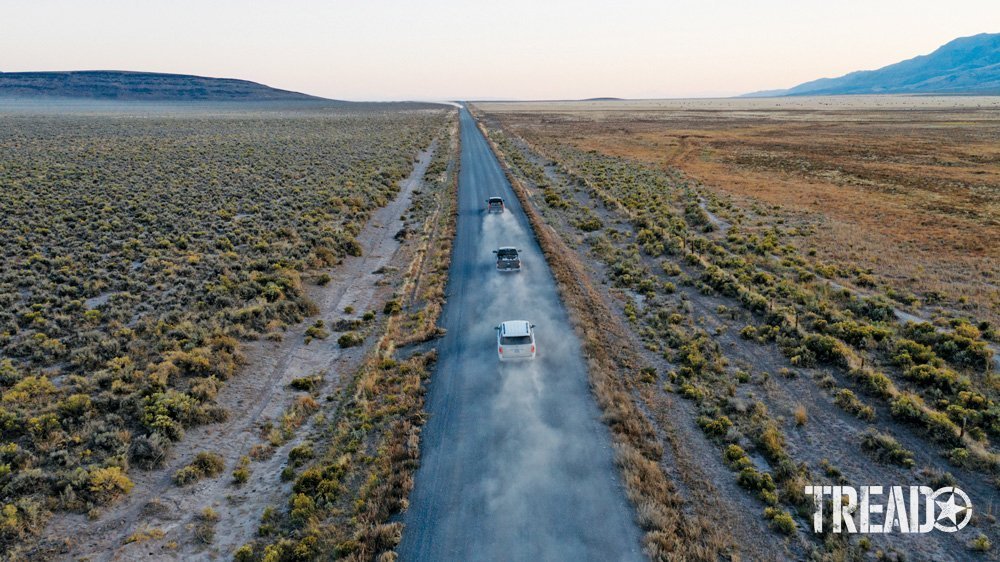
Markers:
968,65
144,86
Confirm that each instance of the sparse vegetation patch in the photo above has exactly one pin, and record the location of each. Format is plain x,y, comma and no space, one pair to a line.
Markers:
139,252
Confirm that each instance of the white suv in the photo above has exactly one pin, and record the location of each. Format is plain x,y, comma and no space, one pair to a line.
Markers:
515,340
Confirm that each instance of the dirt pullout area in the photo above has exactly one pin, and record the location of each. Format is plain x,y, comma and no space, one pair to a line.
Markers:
160,519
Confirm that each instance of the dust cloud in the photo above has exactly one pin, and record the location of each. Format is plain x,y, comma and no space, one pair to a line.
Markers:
538,415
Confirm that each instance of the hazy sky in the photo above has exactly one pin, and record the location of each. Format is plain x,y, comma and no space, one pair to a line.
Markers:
451,49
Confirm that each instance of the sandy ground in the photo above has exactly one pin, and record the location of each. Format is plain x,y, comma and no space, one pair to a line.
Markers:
825,103
261,393
904,189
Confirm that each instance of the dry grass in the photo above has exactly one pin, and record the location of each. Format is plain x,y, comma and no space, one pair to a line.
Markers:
912,195
801,415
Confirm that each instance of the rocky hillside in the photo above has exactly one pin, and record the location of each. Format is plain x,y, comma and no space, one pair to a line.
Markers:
967,65
149,86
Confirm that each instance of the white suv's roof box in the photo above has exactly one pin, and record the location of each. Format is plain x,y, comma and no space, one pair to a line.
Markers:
514,328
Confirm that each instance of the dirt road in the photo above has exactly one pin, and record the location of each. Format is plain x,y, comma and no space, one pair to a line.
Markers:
516,464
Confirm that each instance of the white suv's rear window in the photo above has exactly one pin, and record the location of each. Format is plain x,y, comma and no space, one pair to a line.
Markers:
515,340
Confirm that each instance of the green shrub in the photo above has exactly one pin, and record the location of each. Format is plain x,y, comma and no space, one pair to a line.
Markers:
828,349
781,520
299,454
884,448
961,348
981,543
759,482
937,478
317,331
553,199
302,508
107,484
907,407
874,309
204,465
350,339
772,442
670,268
307,384
737,458
942,378
857,334
907,353
590,224
168,412
244,554
149,452
242,471
910,408
715,427
692,392
875,383
204,529
850,403
959,456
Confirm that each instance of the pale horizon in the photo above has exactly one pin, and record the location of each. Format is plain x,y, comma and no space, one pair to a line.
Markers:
448,50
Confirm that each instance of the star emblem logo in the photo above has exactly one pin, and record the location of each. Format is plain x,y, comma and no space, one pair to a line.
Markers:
950,510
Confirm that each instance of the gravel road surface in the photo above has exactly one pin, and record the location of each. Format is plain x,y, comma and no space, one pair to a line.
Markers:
516,464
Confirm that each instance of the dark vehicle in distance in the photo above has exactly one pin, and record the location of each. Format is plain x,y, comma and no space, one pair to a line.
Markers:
494,205
508,259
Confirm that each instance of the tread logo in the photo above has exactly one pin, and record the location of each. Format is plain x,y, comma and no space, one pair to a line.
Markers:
901,509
